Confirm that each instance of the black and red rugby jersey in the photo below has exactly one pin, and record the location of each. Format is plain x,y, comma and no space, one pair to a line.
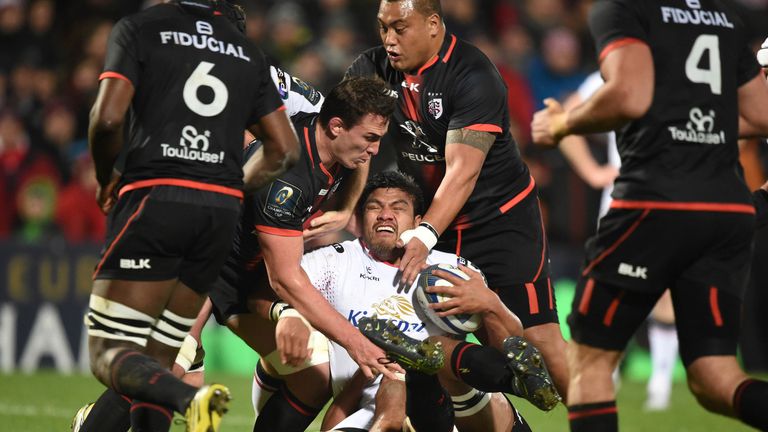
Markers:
282,207
684,149
198,84
458,88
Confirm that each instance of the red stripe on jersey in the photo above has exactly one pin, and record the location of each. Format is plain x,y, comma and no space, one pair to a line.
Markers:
684,206
282,232
483,127
551,297
533,299
458,242
611,312
431,61
519,197
543,242
411,99
282,108
116,75
618,43
587,296
190,184
309,149
450,49
714,306
613,247
119,236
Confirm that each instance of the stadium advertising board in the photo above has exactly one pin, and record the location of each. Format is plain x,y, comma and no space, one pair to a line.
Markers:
44,295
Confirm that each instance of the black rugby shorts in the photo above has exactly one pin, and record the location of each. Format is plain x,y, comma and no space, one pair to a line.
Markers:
512,252
168,232
702,257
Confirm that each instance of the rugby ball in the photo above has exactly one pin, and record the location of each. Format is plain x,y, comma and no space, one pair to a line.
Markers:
460,324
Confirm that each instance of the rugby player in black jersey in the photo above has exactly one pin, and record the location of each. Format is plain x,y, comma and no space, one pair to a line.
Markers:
451,133
678,76
172,87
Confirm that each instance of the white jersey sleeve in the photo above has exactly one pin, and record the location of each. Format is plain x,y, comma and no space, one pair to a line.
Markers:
324,267
297,95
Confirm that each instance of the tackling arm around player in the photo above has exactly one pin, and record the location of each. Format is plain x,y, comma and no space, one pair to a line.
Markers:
451,133
390,205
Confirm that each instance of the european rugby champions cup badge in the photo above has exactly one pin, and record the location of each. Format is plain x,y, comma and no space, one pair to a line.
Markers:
435,107
282,200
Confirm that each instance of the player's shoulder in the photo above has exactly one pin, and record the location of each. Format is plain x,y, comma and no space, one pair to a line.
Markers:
469,64
468,56
303,119
372,61
440,257
334,251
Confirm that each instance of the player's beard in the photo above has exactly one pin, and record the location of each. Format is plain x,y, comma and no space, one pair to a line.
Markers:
385,249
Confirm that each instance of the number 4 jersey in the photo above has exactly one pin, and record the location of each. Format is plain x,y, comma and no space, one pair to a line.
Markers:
684,149
198,84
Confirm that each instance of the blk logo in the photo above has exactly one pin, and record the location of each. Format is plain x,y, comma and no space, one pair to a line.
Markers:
135,264
636,272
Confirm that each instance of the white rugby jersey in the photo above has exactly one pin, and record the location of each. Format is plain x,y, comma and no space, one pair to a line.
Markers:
357,284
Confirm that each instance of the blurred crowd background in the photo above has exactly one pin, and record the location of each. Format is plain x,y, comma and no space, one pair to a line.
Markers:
52,52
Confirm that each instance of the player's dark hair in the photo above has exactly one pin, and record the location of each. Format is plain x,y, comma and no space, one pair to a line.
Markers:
424,7
396,180
355,97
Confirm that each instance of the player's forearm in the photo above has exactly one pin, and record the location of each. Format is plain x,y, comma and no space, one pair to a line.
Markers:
500,323
105,142
454,190
576,151
608,109
299,293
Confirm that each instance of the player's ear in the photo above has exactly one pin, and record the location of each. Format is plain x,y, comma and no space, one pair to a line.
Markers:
416,220
434,22
335,125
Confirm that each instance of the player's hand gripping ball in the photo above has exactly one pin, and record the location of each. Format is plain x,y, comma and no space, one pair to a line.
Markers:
459,324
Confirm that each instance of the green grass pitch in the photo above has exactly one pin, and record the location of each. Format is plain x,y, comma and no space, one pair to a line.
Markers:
45,402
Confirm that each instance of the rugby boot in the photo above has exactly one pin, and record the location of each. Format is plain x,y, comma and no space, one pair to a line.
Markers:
531,379
207,407
412,354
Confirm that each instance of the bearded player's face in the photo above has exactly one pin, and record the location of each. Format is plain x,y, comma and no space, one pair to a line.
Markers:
386,214
406,34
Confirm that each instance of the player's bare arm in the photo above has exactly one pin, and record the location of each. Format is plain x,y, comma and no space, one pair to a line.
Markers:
338,217
473,296
626,95
279,152
753,117
465,153
105,134
282,256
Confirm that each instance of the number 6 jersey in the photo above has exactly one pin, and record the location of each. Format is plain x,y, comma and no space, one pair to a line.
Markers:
683,150
198,84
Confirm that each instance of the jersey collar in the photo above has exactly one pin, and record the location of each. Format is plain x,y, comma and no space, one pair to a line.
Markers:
372,255
449,42
314,155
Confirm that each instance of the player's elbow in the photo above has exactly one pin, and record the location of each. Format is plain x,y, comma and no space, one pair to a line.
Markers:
103,119
634,104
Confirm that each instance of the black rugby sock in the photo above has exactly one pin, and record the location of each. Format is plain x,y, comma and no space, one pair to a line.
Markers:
594,417
284,412
749,403
427,404
147,417
141,377
110,412
481,367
